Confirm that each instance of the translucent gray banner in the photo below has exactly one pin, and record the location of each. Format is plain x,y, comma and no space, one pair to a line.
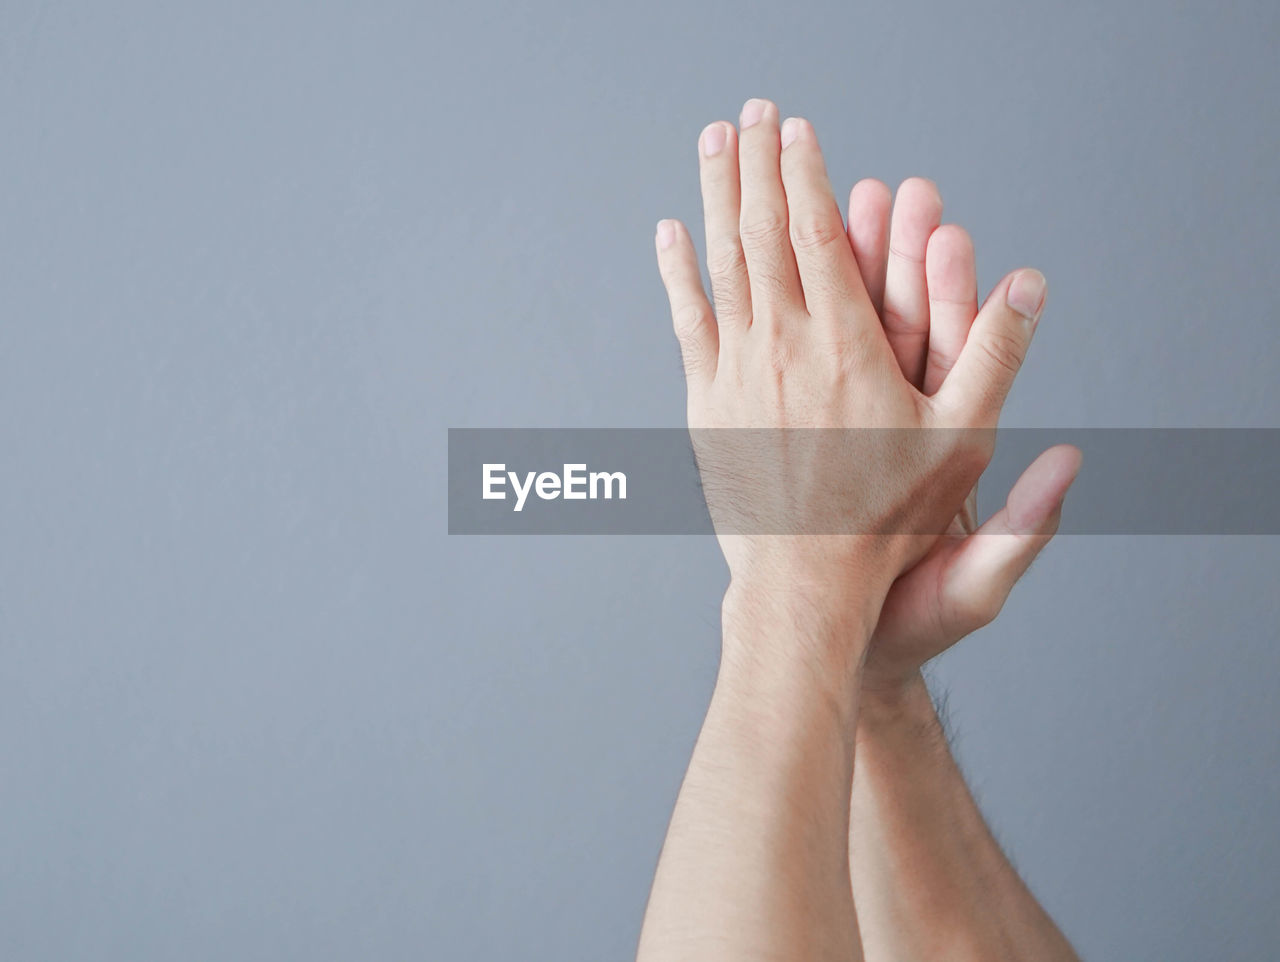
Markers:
646,480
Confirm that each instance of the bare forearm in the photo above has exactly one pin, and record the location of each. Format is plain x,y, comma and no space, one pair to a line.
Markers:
755,864
928,878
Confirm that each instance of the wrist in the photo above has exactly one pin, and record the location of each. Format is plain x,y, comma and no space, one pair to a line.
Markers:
905,706
897,695
836,579
800,615
889,682
796,640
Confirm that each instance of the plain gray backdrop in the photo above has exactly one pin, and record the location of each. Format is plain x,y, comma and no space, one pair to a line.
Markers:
255,258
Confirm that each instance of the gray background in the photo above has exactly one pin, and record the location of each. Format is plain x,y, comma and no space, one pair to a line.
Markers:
254,259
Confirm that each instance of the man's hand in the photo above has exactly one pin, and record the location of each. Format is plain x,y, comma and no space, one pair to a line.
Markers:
929,880
755,864
964,580
796,343
922,277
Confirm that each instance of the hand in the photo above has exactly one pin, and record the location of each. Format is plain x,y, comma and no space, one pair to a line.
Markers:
795,342
922,278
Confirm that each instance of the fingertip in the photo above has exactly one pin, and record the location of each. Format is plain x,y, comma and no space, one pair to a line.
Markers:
949,261
921,190
1070,457
665,234
1027,292
951,238
871,188
1037,496
793,129
995,348
712,139
673,240
917,212
869,200
754,111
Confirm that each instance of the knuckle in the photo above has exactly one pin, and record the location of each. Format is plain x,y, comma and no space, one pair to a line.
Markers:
688,320
732,303
1002,351
825,289
941,361
897,319
763,226
811,235
906,255
771,283
725,260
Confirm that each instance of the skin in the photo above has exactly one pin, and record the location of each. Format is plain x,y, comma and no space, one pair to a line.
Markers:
929,880
756,863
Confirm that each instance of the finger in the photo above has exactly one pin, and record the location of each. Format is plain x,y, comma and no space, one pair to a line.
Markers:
869,205
721,196
829,277
917,212
690,310
982,572
991,357
772,277
953,300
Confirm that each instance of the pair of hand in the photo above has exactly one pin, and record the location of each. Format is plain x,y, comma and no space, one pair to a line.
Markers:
870,325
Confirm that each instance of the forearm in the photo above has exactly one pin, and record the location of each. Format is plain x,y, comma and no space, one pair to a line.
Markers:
755,864
928,878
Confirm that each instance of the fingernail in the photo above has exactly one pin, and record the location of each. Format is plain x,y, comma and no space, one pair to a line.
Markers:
1026,293
752,111
790,131
713,139
666,234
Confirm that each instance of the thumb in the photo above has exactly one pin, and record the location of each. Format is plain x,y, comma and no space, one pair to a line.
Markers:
997,344
990,561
